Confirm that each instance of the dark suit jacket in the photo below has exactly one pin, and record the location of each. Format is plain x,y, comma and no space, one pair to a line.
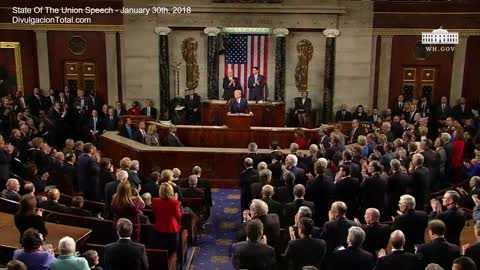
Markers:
302,252
152,188
78,212
442,114
258,88
320,190
235,107
110,190
372,192
377,236
398,110
245,177
110,125
271,229
474,253
52,206
255,191
420,186
274,207
139,137
253,256
100,126
88,173
35,104
459,114
87,104
335,233
303,107
153,112
352,259
190,106
97,103
397,185
354,135
454,219
276,169
398,260
299,175
340,117
347,190
125,254
171,140
372,119
413,224
292,208
229,90
124,132
192,192
438,251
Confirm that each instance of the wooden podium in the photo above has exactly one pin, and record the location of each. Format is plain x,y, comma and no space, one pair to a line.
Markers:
239,120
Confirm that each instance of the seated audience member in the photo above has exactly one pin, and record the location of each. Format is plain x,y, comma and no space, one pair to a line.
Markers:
152,138
149,110
439,250
253,253
473,167
16,265
353,257
271,223
93,259
147,199
128,130
67,259
192,191
167,212
274,207
52,202
376,233
473,251
76,207
111,120
141,133
398,259
464,263
119,109
336,229
343,114
32,254
125,205
303,109
453,217
291,209
125,254
135,109
11,191
172,138
411,222
360,114
29,216
305,250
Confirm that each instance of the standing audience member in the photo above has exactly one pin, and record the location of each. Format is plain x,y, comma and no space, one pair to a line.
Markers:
376,233
453,217
125,205
353,257
473,251
398,259
336,229
29,216
464,263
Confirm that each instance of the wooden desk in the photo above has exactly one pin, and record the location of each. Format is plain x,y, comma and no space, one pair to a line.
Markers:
10,234
220,165
269,114
222,136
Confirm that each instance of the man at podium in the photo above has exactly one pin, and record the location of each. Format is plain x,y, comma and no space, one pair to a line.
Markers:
239,104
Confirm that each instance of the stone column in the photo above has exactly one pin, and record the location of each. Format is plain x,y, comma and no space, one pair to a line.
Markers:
384,62
456,86
329,78
212,62
112,67
43,65
281,33
164,71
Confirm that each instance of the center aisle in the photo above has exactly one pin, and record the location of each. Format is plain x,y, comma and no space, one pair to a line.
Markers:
215,245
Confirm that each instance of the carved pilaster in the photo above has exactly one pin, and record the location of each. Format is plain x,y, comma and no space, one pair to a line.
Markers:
329,77
212,62
281,34
164,71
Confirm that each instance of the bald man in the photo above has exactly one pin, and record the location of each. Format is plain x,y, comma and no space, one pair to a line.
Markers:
230,84
377,234
398,259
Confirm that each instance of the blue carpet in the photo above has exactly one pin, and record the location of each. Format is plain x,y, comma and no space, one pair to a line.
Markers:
215,245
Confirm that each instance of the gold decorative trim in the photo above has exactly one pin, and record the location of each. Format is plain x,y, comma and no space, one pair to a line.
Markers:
18,61
418,31
63,27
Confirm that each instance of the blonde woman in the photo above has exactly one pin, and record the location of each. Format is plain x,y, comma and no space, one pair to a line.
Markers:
125,205
166,176
152,138
167,212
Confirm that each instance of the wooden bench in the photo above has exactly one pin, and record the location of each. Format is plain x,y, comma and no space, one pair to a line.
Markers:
92,206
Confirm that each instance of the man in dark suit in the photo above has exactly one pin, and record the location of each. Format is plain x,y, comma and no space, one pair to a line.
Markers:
128,130
274,207
192,191
239,104
192,107
377,233
52,203
151,186
110,190
353,257
374,116
398,259
373,188
230,84
35,102
323,139
11,191
125,254
411,222
397,185
399,107
94,127
276,168
320,190
473,251
425,107
443,110
140,133
263,177
119,109
420,187
50,99
439,250
245,177
355,132
291,162
76,207
453,217
343,114
292,208
347,189
97,102
88,171
409,114
253,253
336,229
149,110
82,104
256,85
111,120
462,110
396,127
306,250
172,138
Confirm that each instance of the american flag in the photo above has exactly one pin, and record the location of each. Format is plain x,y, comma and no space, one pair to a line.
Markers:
244,53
